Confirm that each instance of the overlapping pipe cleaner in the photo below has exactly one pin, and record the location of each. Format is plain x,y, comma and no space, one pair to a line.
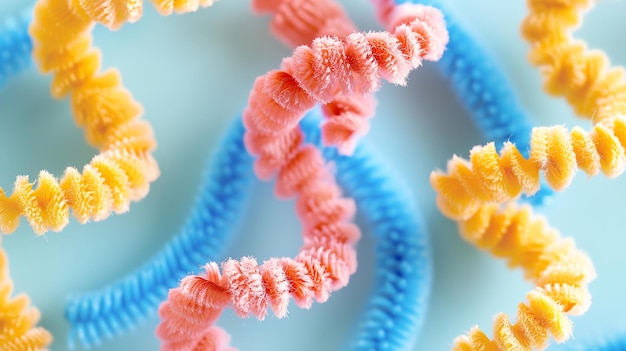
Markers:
276,106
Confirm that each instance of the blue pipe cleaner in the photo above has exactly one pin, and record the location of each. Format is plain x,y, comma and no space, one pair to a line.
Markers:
606,343
220,203
15,46
396,309
394,315
484,91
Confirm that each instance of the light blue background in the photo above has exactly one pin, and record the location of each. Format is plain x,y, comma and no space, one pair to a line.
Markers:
193,73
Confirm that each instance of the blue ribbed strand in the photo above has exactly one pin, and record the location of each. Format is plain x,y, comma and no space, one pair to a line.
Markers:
219,206
484,91
15,46
394,314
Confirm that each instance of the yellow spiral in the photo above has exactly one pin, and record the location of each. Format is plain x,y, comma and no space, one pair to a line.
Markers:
569,69
166,7
123,170
115,13
491,178
18,330
559,271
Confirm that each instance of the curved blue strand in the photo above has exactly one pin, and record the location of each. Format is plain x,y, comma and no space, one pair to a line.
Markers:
15,46
395,312
611,343
484,91
219,205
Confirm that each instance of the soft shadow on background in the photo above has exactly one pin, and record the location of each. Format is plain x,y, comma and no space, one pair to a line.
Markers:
193,72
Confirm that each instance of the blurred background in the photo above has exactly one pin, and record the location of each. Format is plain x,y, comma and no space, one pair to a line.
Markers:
193,72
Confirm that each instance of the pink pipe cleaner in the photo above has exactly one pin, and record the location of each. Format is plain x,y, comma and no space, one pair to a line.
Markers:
299,22
328,69
332,67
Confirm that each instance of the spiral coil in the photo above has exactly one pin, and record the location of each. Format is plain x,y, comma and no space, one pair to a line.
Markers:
124,168
491,178
15,45
559,270
569,69
18,330
123,304
325,263
299,22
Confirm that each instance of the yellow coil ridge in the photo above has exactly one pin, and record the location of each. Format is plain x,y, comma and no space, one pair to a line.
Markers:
123,169
559,271
489,177
569,69
18,320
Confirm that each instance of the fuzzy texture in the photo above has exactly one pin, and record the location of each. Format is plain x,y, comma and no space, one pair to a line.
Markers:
123,170
327,258
480,85
116,309
325,263
607,342
491,178
559,271
584,77
15,46
113,14
328,68
299,22
390,320
18,330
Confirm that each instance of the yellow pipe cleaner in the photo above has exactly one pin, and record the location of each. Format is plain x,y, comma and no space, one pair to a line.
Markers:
114,13
568,68
491,178
124,168
17,320
471,190
559,271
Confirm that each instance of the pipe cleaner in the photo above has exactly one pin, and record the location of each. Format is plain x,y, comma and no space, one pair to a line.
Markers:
299,22
555,152
480,85
18,330
402,249
15,46
327,259
99,314
104,313
114,13
606,343
123,170
220,202
568,68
